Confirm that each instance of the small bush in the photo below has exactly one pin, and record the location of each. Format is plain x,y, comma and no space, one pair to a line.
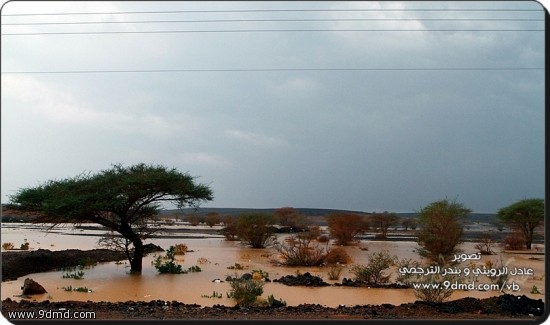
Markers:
237,266
535,290
79,289
430,293
275,302
8,246
245,292
374,273
296,251
215,294
194,268
311,233
323,239
169,265
25,246
180,249
514,241
334,272
203,260
260,275
337,255
87,263
78,275
486,243
501,278
406,278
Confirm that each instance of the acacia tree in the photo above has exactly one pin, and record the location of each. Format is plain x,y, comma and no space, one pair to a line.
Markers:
441,230
383,221
290,217
122,199
255,228
409,223
525,215
344,227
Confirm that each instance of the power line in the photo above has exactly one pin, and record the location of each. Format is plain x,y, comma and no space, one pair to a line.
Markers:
275,30
266,10
273,70
269,20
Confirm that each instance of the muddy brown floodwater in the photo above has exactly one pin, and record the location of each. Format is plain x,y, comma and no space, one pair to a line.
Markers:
112,282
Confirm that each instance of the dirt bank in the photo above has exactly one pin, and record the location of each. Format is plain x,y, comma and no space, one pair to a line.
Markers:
21,263
501,307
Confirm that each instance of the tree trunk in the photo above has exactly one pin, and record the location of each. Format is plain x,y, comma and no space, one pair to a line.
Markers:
136,262
137,258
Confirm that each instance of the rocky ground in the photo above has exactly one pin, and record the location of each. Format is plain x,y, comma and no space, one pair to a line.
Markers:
502,307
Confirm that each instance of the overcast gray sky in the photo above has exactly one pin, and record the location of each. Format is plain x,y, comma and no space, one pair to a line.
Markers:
383,112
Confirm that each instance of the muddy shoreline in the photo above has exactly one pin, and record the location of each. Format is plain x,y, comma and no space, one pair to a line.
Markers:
20,263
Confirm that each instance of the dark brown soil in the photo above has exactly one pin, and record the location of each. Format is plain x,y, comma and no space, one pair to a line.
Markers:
21,263
502,307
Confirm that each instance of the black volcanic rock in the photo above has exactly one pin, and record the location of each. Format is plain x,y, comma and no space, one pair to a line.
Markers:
305,279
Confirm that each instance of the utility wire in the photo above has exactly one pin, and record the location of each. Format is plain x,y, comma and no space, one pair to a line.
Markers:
265,10
268,20
275,30
271,70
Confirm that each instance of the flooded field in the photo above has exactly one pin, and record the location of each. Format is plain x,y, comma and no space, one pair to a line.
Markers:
112,281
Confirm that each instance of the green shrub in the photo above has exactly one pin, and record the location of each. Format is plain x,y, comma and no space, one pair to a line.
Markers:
169,266
275,302
194,268
215,294
374,273
78,275
86,263
245,292
260,275
406,278
79,289
431,293
255,229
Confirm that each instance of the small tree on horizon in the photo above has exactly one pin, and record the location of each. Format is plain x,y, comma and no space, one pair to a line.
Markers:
382,222
123,199
290,217
524,215
409,223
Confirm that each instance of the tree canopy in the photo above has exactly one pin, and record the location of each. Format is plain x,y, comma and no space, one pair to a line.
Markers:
344,227
255,228
121,198
441,230
382,222
525,215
